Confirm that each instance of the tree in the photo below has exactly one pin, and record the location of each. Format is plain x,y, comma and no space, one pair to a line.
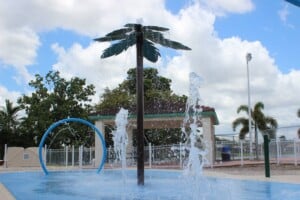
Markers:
158,94
260,122
144,37
54,99
112,100
159,98
8,125
152,81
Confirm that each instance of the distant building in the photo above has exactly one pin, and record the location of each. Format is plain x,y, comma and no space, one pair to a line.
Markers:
159,117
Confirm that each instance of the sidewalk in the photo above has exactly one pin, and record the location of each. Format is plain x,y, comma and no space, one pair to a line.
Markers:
255,170
5,194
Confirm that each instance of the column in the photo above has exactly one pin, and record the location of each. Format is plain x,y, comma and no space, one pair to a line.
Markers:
208,136
98,149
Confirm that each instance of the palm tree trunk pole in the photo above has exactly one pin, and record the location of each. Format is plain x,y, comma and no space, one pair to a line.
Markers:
140,105
267,158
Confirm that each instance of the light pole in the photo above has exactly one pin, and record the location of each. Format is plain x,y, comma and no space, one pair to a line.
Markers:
248,58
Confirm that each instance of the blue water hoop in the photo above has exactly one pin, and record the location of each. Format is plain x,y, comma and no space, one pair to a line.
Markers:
54,125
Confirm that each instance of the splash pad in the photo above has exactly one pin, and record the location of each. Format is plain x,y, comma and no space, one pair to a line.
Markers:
160,184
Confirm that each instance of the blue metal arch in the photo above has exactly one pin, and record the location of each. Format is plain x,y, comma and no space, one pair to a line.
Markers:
71,120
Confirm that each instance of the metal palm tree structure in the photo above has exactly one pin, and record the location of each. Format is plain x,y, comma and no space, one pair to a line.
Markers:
145,38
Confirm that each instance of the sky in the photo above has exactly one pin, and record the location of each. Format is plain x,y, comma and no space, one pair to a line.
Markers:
38,36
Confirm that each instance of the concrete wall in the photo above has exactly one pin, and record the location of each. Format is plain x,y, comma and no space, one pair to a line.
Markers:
20,157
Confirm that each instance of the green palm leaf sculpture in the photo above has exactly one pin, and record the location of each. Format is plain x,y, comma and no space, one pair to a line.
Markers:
145,38
126,38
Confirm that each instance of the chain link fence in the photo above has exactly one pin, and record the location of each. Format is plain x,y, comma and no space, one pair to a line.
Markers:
70,156
287,151
153,155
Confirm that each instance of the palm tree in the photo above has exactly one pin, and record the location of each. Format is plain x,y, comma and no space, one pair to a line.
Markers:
260,122
9,116
144,37
8,122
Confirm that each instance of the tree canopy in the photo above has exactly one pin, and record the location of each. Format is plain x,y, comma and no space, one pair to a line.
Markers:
9,123
159,97
259,121
55,98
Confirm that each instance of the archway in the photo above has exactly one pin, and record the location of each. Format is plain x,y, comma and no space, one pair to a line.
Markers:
53,126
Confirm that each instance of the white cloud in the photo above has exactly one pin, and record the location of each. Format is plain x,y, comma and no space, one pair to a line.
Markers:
222,64
220,7
19,49
85,18
10,95
283,14
22,21
18,46
86,63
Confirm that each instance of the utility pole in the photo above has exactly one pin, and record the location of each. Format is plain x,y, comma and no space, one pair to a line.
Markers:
248,58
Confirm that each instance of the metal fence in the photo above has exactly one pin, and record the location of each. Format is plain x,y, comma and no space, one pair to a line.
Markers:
70,156
286,151
281,151
153,155
237,150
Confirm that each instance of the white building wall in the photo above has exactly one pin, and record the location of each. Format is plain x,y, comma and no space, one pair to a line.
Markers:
208,135
98,148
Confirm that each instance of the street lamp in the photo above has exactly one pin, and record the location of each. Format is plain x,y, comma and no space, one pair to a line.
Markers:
248,58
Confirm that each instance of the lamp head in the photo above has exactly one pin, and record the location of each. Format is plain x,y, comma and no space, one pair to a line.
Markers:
248,57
